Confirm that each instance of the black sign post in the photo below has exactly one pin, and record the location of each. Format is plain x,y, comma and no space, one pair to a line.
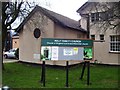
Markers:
88,73
67,72
43,74
83,69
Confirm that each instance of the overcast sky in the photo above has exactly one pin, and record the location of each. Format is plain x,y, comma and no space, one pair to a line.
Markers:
65,7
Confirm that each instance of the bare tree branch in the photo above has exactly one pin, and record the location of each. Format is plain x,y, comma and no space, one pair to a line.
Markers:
16,13
109,15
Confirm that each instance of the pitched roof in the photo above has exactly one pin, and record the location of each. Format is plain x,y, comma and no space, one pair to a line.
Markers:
85,5
57,18
82,7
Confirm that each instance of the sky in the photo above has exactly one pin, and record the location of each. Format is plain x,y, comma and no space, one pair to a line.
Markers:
65,7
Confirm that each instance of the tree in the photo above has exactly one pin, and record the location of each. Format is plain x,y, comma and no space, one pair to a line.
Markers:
10,12
105,15
109,15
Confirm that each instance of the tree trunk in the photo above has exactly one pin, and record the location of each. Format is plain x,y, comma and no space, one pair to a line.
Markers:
4,34
4,28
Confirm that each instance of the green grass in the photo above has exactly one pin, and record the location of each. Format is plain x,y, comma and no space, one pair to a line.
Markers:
18,75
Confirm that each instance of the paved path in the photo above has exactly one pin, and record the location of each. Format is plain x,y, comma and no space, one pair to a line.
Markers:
9,60
60,63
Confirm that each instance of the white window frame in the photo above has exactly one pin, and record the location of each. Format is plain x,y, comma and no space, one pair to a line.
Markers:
114,42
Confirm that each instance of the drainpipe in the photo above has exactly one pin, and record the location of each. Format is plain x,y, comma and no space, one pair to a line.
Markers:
88,26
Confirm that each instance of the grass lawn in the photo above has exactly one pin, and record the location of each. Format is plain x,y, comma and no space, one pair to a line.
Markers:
19,75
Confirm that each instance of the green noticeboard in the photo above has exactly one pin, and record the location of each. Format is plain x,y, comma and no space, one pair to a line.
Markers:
66,49
66,42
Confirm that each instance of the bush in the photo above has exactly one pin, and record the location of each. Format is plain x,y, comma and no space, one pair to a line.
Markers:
42,57
17,53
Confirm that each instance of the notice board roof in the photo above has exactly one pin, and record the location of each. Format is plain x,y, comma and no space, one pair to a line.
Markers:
66,42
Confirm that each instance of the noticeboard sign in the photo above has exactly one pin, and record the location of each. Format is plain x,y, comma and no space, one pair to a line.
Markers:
66,49
65,42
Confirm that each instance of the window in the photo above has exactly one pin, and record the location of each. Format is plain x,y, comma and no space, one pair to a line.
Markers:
93,37
37,33
97,16
101,37
110,15
102,16
94,17
115,43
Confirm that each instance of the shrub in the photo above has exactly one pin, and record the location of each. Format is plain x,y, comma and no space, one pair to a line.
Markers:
42,57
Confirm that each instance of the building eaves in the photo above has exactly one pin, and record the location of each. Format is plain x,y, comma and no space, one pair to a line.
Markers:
57,18
83,7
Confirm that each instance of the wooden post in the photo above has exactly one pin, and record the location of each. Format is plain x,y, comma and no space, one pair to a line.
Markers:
43,74
83,69
88,72
67,72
